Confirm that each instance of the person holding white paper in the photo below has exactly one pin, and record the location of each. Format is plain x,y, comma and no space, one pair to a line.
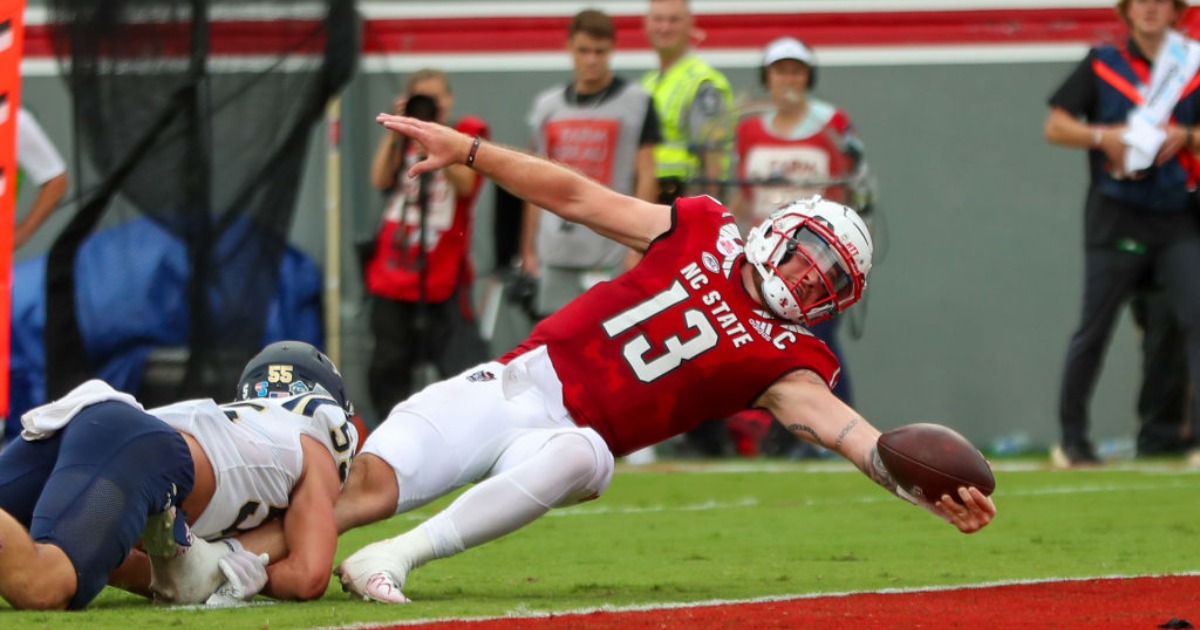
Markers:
1135,108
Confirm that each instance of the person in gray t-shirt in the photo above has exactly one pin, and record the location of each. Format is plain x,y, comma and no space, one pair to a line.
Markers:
604,127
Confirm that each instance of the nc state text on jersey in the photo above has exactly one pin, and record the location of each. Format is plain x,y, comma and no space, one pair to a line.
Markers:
780,338
720,311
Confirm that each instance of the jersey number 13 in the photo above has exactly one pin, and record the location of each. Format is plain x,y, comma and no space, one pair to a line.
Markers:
675,349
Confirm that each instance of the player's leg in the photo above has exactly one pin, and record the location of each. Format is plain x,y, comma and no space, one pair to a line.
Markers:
447,435
542,469
24,468
117,465
457,432
33,576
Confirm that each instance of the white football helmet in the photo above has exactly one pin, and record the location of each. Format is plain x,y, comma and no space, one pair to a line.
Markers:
831,237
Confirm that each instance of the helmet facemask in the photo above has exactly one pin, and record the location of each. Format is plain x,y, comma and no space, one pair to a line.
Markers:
800,230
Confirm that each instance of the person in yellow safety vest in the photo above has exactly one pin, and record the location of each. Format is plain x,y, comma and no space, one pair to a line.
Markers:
693,101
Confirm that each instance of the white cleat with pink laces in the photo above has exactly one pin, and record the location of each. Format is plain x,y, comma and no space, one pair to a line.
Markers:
373,576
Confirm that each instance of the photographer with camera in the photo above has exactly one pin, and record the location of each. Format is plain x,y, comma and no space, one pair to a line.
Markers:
418,270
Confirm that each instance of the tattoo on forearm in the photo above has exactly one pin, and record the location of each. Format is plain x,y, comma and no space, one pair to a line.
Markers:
873,466
807,430
845,430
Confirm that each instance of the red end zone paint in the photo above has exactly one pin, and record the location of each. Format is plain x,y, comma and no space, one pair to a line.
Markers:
1095,604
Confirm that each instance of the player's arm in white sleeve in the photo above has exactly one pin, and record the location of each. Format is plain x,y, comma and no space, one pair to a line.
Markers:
550,185
804,404
308,529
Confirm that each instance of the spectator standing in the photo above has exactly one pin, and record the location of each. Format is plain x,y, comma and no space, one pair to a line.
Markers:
604,127
798,138
419,274
1134,108
694,102
41,162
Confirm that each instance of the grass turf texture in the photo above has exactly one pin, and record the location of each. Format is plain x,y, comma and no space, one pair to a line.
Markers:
741,529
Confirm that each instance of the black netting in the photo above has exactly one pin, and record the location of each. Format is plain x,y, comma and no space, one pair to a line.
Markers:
195,114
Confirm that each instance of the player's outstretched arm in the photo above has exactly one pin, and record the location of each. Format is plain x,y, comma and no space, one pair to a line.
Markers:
555,187
804,404
308,529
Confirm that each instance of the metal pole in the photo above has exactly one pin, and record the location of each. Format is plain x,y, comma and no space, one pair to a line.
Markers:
333,230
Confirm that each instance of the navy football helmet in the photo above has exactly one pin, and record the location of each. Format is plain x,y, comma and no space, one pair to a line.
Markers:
291,368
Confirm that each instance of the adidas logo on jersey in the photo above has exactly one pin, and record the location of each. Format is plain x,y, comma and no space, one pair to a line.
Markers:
763,328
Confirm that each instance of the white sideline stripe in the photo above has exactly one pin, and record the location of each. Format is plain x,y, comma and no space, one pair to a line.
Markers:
522,613
837,464
877,497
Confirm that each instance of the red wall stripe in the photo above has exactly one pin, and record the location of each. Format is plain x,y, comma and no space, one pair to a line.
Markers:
532,34
546,34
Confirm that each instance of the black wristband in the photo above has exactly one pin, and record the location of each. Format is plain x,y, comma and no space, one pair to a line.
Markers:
474,150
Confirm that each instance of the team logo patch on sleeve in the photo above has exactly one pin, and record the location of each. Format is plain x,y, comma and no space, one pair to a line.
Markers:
482,376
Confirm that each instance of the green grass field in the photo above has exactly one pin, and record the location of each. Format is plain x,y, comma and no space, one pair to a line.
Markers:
745,529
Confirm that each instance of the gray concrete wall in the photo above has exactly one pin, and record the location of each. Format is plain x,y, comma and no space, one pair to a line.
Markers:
977,280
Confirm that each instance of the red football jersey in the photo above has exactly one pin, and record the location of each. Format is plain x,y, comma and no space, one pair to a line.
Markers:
674,341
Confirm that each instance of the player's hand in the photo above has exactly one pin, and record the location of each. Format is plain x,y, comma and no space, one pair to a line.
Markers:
974,512
245,576
443,145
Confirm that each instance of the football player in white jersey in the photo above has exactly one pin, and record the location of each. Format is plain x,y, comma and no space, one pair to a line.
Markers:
93,472
287,442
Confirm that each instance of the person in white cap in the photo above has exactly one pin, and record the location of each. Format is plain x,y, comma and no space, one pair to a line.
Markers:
797,146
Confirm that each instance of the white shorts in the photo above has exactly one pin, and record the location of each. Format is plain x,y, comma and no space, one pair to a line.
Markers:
463,429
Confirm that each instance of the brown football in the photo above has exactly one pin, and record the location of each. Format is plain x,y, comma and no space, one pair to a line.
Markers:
930,460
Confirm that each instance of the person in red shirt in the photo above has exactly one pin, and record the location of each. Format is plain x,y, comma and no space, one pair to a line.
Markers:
419,270
797,145
706,324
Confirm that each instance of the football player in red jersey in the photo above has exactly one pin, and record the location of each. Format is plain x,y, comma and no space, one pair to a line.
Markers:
704,325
